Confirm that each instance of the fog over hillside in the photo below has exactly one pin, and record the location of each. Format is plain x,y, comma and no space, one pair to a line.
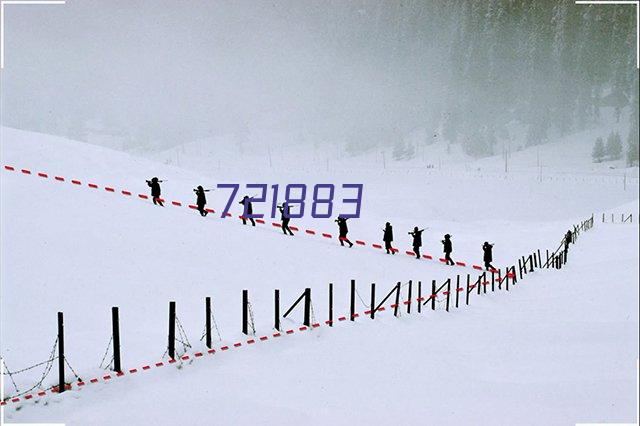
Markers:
141,75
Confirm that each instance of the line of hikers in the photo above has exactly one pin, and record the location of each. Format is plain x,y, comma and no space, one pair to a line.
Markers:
343,229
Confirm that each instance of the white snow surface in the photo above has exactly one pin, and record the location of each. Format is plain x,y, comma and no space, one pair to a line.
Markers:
559,348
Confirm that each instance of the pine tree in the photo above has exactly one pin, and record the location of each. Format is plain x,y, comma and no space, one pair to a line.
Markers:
614,146
598,151
632,151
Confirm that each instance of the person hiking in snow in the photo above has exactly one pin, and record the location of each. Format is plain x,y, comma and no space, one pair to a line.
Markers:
448,248
417,240
387,237
488,255
248,210
154,184
284,217
343,230
201,200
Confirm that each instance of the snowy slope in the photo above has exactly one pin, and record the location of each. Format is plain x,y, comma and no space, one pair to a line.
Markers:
75,249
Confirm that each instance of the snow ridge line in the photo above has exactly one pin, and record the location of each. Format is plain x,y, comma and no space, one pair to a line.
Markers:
176,203
186,357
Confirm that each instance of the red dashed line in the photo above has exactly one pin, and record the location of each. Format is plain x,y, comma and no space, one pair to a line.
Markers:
133,371
250,342
224,348
289,331
185,357
159,364
263,338
237,345
294,228
261,221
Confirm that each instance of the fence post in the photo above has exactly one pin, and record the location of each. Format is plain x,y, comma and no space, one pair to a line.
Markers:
171,348
448,292
61,382
115,326
457,289
409,298
331,305
467,291
373,300
276,308
520,267
307,307
433,295
493,280
419,296
396,310
353,300
547,264
530,263
245,311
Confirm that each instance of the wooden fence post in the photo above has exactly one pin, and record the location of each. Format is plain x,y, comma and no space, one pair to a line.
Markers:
331,305
352,300
373,300
276,309
115,327
307,307
409,298
433,295
171,348
396,310
419,296
245,312
61,381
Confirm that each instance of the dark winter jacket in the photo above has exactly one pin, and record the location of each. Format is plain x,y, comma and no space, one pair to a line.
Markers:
284,213
249,206
202,199
388,234
417,238
448,248
342,226
155,188
488,252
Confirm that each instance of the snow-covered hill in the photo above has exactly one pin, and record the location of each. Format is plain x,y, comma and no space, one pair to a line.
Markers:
80,250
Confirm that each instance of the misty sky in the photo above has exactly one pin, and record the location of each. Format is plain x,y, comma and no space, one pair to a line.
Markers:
180,70
160,73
